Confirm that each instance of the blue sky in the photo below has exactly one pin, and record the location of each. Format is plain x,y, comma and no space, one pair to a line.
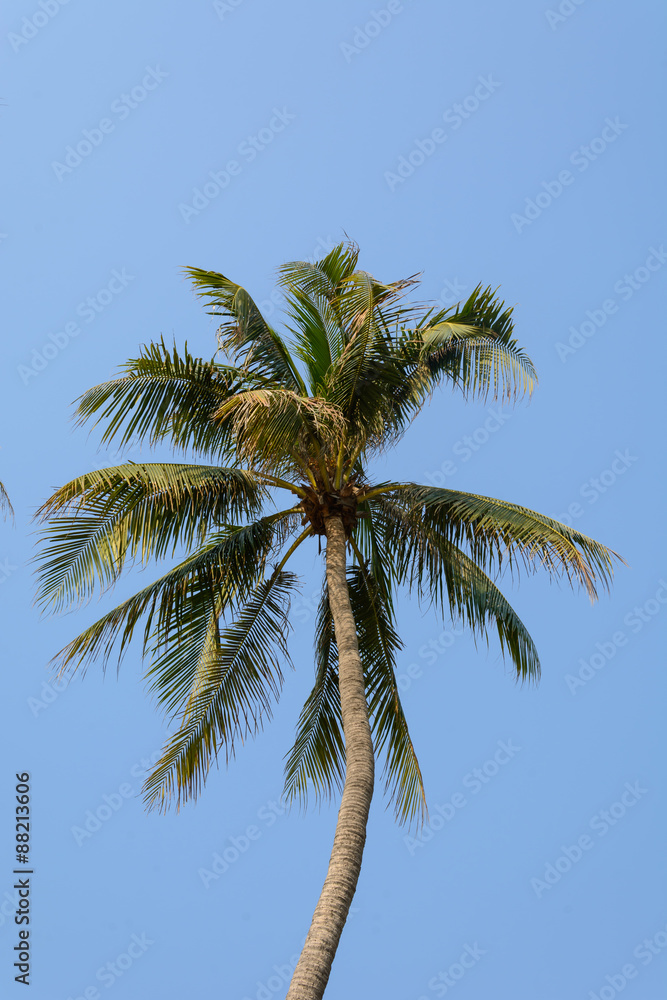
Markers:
513,145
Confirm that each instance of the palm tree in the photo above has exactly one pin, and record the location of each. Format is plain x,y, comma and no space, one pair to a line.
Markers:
301,416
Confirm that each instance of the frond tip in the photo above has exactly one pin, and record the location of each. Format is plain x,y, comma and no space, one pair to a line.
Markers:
237,681
495,533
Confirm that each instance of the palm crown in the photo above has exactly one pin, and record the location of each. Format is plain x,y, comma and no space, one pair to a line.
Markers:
301,415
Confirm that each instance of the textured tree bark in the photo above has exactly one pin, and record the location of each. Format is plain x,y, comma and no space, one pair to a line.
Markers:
312,971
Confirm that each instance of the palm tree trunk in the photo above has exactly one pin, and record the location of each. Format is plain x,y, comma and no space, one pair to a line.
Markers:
312,971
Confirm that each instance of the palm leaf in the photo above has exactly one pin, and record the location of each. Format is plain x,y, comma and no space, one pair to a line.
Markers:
472,344
241,677
163,395
494,532
5,502
317,757
243,332
427,562
271,426
227,567
378,644
142,511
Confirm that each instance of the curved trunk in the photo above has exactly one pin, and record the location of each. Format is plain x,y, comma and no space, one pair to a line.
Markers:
312,971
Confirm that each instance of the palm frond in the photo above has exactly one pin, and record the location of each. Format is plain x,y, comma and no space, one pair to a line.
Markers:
378,644
494,532
233,694
164,395
134,510
473,345
182,655
321,279
271,425
5,502
317,757
227,568
317,334
244,333
436,568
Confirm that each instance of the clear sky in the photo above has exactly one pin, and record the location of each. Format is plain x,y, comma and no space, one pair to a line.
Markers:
516,145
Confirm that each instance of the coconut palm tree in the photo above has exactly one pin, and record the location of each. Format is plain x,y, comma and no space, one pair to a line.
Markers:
299,416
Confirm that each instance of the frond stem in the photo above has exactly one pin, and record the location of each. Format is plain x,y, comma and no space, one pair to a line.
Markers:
293,547
282,483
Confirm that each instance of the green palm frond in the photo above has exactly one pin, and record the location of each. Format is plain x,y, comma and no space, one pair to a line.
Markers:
378,644
375,549
317,334
317,757
163,395
333,306
371,307
312,302
436,568
243,333
240,677
227,568
138,511
473,345
366,363
321,280
183,653
494,532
